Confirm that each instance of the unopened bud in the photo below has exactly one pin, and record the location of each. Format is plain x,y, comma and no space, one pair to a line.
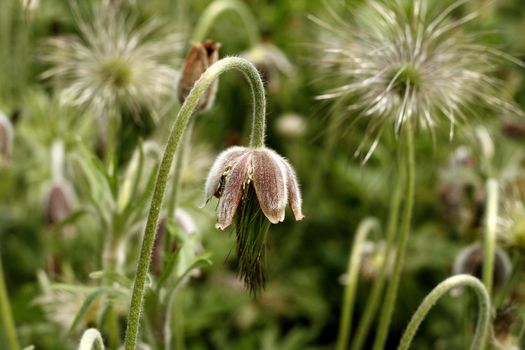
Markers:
200,58
59,203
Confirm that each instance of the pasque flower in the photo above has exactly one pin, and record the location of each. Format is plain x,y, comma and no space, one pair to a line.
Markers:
270,174
253,186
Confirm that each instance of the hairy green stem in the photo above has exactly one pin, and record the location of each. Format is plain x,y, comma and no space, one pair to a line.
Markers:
391,293
489,240
7,315
216,8
372,303
91,339
482,327
352,272
186,111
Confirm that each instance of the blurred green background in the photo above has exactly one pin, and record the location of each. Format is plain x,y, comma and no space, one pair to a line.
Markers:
301,305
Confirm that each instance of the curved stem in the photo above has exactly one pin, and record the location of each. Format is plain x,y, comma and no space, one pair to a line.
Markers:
7,315
391,293
354,262
186,111
489,241
372,303
216,8
91,339
441,289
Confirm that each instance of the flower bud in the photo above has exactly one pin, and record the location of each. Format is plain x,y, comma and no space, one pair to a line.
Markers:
58,203
200,58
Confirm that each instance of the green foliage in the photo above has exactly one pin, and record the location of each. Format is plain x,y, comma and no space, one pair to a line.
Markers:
77,273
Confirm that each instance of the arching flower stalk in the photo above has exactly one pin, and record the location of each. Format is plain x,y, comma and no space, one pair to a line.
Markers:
482,327
187,110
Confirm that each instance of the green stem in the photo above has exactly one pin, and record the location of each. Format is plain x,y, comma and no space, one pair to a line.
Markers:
180,158
391,293
91,339
482,327
489,240
354,262
216,8
7,315
372,303
186,111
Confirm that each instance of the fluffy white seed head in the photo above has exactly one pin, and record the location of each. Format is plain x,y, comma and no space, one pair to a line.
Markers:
395,61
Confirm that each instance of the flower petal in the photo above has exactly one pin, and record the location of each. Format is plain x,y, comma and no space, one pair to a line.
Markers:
233,190
269,180
226,159
294,194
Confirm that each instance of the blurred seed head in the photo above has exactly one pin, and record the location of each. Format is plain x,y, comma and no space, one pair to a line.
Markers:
511,220
200,58
397,61
470,261
253,187
290,125
7,135
270,62
113,60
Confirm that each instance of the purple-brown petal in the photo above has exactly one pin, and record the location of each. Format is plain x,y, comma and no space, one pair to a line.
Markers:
294,194
226,159
233,190
269,180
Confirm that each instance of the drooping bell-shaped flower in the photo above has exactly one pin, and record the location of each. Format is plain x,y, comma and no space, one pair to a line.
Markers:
470,261
253,185
270,174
